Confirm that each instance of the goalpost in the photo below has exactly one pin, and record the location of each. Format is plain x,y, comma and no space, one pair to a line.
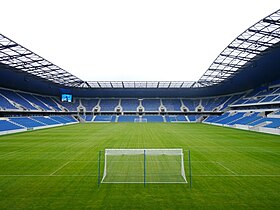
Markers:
142,166
140,119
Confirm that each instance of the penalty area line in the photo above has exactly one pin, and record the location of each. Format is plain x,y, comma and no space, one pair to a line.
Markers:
226,168
59,168
238,175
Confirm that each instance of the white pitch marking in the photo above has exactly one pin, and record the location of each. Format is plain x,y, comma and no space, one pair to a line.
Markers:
226,168
239,175
45,175
90,175
59,168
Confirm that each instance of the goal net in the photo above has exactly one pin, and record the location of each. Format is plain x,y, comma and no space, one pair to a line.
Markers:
143,166
140,119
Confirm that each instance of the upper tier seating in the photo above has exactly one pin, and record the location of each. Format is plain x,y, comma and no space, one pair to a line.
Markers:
129,104
109,105
49,101
213,103
231,100
71,106
18,99
89,104
191,103
5,104
151,105
34,100
172,104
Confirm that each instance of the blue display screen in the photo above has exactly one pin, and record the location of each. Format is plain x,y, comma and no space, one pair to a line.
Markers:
66,98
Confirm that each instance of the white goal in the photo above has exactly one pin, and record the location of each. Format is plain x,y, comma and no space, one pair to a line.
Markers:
140,119
143,166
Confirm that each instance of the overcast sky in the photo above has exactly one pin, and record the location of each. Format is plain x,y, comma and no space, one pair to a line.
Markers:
127,40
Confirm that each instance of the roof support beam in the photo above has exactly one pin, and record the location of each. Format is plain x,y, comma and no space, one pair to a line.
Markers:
236,57
255,51
3,47
228,64
260,43
272,34
274,22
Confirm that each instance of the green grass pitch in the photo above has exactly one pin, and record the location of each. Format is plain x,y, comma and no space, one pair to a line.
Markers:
57,168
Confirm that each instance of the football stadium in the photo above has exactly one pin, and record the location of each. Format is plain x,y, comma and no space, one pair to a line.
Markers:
214,143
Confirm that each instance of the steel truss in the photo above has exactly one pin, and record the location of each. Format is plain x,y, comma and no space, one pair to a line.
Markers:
242,51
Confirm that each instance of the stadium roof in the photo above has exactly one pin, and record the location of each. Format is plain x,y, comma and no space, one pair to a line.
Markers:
239,54
22,59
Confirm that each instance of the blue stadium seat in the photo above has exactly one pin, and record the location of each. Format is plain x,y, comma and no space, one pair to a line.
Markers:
18,99
129,104
26,122
5,125
89,104
127,118
109,105
45,120
104,118
5,104
49,101
191,103
151,104
153,118
172,104
34,100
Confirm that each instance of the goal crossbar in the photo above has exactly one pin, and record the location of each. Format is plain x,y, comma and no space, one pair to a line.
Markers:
155,166
142,151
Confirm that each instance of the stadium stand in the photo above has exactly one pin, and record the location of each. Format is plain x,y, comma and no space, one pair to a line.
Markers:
88,118
5,104
71,106
45,120
127,118
6,125
191,104
49,101
129,105
153,118
89,104
175,118
172,104
26,122
104,118
35,101
13,96
213,104
108,105
151,105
